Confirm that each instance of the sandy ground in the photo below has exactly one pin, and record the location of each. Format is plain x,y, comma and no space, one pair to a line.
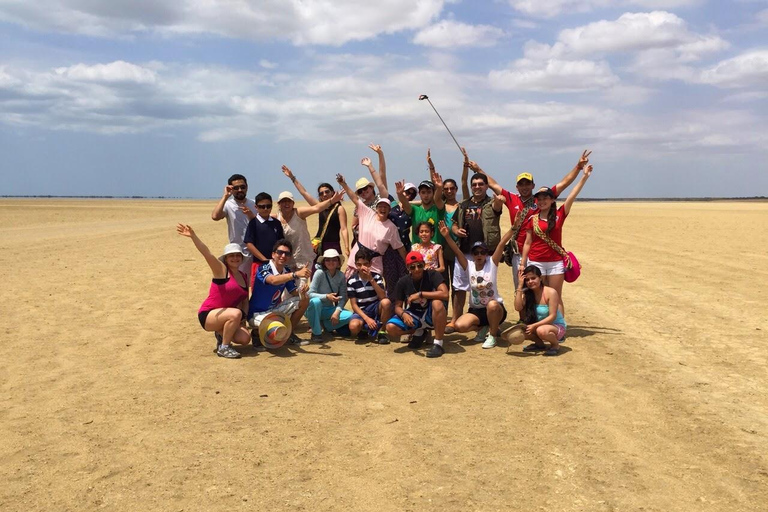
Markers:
113,400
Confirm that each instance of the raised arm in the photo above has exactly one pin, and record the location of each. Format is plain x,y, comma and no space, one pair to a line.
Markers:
344,230
492,183
218,210
296,183
218,269
380,184
343,184
465,176
437,179
499,252
306,211
568,178
382,167
443,227
577,189
404,203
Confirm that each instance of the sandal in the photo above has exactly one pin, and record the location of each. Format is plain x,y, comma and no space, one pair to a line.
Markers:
533,348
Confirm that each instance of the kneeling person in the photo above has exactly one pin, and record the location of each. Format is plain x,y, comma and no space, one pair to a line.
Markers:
421,293
269,282
368,298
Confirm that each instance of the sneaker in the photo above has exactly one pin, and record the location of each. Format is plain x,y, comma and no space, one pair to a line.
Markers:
435,351
295,340
417,339
481,334
362,335
490,341
382,338
316,338
228,352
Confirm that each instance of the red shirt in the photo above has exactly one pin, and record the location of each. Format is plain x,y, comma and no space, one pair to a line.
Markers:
515,205
540,251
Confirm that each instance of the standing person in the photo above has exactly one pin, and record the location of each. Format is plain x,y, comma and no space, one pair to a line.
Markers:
368,298
263,231
476,220
522,206
543,246
271,279
224,310
432,252
377,232
419,305
431,208
238,210
450,188
327,297
332,231
538,307
486,306
294,221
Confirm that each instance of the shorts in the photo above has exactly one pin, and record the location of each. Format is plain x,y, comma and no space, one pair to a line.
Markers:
482,315
549,268
372,310
287,307
418,323
461,275
560,331
203,316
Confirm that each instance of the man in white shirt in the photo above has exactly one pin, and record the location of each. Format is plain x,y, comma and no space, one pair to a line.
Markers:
238,210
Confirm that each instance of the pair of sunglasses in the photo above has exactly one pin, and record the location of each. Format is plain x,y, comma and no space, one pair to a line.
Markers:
414,266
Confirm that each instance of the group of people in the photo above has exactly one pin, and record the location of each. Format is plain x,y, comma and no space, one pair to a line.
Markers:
407,258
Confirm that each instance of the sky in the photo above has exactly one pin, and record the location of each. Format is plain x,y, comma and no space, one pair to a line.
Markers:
171,97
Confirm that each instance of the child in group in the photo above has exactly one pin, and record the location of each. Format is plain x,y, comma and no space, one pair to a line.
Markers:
368,297
432,252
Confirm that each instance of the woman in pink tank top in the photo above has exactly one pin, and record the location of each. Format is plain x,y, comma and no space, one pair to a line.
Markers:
226,307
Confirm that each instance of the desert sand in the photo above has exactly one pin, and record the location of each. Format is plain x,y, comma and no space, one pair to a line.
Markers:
112,398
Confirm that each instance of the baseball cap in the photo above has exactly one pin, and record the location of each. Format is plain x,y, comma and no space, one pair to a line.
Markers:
381,200
414,257
284,195
427,183
479,244
545,191
409,186
361,183
524,176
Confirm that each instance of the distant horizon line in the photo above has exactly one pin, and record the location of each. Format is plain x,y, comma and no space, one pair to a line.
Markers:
581,199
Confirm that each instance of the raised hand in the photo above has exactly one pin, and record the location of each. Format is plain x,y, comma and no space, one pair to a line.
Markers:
338,196
437,180
340,179
228,190
375,147
443,228
185,230
366,161
473,165
588,171
400,187
288,173
466,158
429,160
584,160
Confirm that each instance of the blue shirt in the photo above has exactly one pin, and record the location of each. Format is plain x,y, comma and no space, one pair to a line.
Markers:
266,296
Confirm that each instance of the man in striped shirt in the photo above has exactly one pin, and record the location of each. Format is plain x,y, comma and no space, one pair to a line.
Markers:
368,297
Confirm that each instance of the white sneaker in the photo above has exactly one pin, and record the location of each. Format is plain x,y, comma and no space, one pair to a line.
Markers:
490,341
481,334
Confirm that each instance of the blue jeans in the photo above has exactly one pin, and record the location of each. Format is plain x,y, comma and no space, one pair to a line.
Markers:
319,316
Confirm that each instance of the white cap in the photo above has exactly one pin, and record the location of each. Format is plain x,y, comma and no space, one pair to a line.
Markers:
284,195
409,186
381,200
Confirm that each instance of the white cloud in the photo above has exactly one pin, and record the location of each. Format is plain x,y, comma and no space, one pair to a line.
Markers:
266,64
118,71
749,69
303,22
552,8
554,75
451,34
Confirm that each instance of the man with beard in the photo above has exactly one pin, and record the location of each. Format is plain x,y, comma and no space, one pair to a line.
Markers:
238,210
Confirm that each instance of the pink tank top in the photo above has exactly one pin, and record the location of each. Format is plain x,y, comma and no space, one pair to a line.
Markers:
226,295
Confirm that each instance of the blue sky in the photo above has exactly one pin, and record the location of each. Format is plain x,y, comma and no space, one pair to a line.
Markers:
170,97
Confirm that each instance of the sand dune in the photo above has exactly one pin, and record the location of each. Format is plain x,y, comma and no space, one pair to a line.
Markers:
112,398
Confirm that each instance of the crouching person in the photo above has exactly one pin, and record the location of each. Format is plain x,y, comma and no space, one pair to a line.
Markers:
327,297
270,280
419,305
368,298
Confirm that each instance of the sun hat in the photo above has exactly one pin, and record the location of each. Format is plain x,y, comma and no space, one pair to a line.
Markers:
427,183
330,253
414,257
545,191
232,248
383,200
274,330
284,195
361,184
409,186
524,176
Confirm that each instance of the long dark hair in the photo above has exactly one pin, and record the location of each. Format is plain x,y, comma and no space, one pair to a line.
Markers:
325,185
551,217
529,297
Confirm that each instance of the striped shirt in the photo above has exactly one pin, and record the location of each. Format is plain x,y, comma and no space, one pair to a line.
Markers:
363,292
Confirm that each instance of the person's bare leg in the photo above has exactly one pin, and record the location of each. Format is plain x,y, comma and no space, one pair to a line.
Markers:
495,312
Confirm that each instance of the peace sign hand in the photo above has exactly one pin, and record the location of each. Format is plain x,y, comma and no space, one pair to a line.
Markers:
584,160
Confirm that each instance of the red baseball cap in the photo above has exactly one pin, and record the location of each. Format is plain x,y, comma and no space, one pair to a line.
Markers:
414,257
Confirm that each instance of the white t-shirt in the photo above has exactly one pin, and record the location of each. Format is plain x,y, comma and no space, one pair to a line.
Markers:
237,221
483,284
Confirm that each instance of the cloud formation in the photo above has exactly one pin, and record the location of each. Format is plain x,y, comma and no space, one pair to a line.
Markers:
451,34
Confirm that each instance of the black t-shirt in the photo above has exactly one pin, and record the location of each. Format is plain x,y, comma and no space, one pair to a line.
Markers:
405,287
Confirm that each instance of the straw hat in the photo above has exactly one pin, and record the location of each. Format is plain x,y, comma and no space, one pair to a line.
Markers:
330,253
274,330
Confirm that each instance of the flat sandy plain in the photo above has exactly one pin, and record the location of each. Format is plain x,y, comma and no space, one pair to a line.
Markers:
113,400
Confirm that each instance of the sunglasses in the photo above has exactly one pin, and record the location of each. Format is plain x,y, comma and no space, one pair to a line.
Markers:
414,266
281,252
240,187
360,190
264,206
326,192
475,185
482,252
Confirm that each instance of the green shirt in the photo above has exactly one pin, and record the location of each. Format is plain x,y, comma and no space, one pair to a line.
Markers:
431,215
